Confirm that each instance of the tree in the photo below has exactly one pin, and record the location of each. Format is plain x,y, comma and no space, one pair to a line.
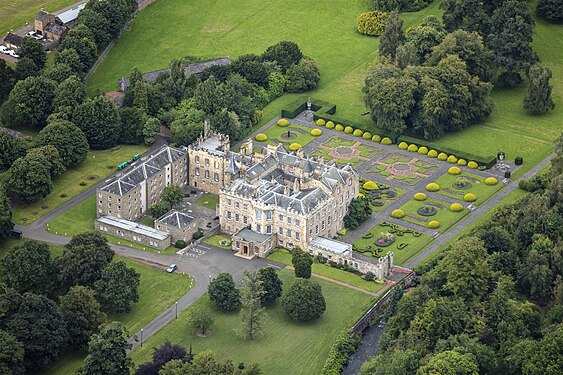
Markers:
227,122
69,140
173,195
140,96
132,123
272,285
223,292
29,103
70,57
392,36
98,24
206,363
551,10
450,363
118,287
546,355
38,324
359,211
276,85
81,39
151,129
7,80
425,36
302,77
58,72
69,94
32,49
510,40
99,120
538,101
28,268
251,312
168,352
11,149
26,68
252,69
29,179
304,300
159,209
82,315
6,223
302,262
50,157
107,352
116,12
11,355
187,129
83,260
469,15
284,53
201,320
407,55
397,362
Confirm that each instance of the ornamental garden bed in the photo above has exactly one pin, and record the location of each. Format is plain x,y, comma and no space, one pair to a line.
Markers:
420,213
406,244
405,170
343,151
279,134
456,186
380,197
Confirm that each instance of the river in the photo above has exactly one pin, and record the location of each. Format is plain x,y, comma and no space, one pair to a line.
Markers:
367,348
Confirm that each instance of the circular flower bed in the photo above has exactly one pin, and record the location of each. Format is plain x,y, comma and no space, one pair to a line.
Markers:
330,125
462,184
391,193
434,224
432,153
320,122
462,162
294,147
376,138
370,185
316,132
433,187
386,141
261,137
452,159
403,145
358,133
384,241
397,214
491,181
412,148
454,170
419,197
472,165
348,130
456,207
470,197
339,128
423,150
442,156
427,211
283,122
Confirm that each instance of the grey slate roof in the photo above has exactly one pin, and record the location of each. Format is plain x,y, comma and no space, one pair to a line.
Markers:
176,219
55,28
188,69
41,15
248,235
14,39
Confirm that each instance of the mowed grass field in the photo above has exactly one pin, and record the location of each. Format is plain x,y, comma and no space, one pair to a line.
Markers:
16,13
327,34
286,347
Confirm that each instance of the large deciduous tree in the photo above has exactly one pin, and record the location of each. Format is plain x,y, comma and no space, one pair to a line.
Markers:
29,179
151,128
425,36
69,140
251,312
32,49
11,355
68,95
107,352
6,223
223,292
173,195
26,68
538,101
188,128
358,212
11,149
201,320
50,157
272,285
551,10
99,120
392,36
81,39
302,76
118,287
284,54
302,262
304,300
132,123
450,363
7,80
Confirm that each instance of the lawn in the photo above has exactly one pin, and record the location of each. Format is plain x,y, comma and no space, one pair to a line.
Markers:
283,256
95,168
81,218
216,238
478,187
15,14
444,215
404,248
275,133
287,347
208,200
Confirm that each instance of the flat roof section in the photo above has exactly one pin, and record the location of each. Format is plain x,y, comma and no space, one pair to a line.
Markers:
133,227
333,246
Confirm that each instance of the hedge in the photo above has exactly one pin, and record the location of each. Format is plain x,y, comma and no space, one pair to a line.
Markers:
338,356
462,162
367,135
454,170
376,138
419,197
283,122
348,130
412,148
386,141
423,150
294,147
358,133
330,125
316,132
397,214
320,122
470,197
456,207
433,187
472,165
403,145
261,137
370,185
442,156
434,224
432,154
452,159
339,128
491,181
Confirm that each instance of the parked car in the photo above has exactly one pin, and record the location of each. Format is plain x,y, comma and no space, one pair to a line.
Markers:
34,35
13,53
171,268
4,49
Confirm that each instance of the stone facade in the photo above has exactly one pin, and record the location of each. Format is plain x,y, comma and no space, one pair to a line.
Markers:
134,232
179,225
249,244
131,194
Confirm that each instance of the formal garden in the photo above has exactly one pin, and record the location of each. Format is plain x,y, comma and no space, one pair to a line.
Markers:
378,194
458,184
405,170
292,136
384,237
208,200
343,151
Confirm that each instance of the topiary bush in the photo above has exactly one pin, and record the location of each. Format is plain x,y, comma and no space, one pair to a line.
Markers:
412,148
294,146
330,125
432,154
376,138
283,122
434,224
316,132
403,145
423,150
452,159
472,165
348,130
470,197
507,174
261,137
339,128
454,170
320,122
491,181
370,185
442,156
386,141
397,214
462,162
419,197
519,160
180,244
372,23
456,207
358,133
433,187
367,135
